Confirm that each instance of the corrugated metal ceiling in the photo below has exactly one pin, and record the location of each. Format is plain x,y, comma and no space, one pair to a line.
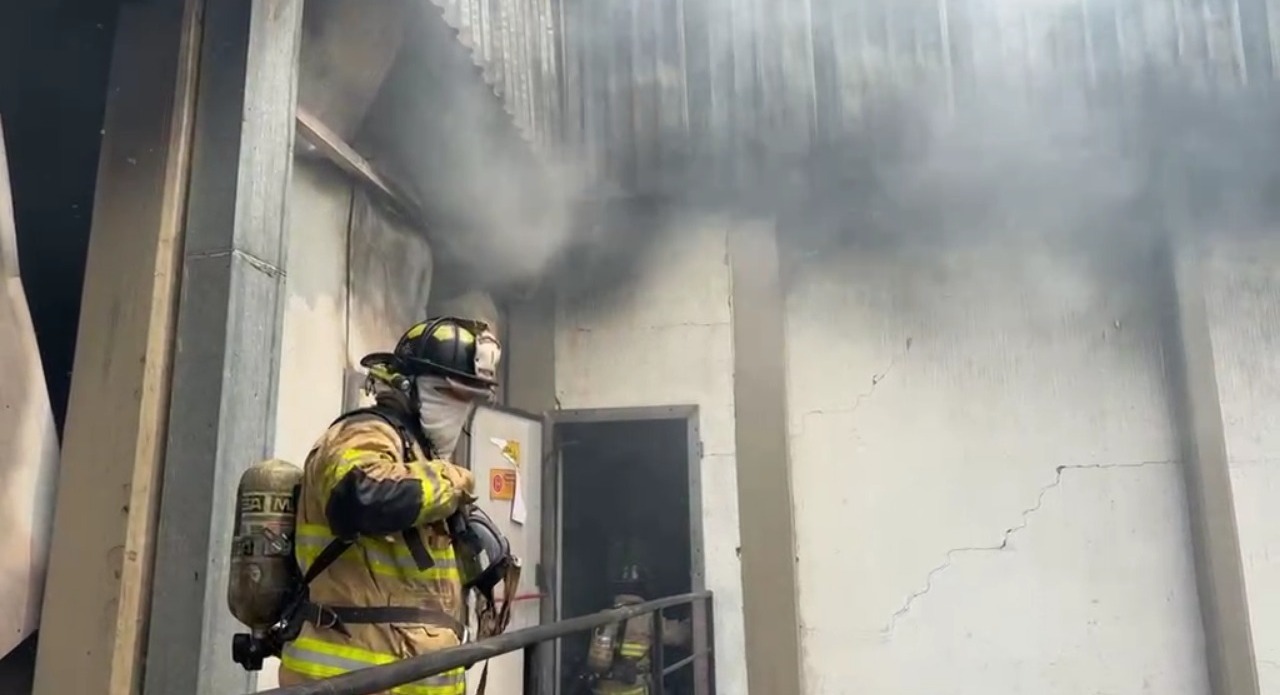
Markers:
514,44
638,89
651,86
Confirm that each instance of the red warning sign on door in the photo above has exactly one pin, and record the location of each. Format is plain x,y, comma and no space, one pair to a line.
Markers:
502,484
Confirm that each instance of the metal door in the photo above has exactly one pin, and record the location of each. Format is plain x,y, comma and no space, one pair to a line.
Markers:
506,459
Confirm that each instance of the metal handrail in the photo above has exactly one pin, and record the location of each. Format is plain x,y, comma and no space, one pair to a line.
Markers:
376,679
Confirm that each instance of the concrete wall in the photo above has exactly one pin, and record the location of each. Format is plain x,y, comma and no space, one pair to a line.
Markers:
313,346
1242,288
665,338
29,440
29,467
985,490
356,281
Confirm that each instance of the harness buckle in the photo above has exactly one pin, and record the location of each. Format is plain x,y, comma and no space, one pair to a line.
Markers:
328,619
323,613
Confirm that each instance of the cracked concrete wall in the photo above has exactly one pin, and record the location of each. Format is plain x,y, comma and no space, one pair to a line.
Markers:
985,490
1242,292
668,340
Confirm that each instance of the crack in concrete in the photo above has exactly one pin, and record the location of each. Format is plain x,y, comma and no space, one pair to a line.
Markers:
876,380
1024,520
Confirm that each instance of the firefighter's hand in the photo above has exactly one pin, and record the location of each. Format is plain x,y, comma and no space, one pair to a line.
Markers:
462,481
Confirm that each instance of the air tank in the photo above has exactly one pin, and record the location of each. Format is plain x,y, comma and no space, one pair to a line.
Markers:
263,570
600,654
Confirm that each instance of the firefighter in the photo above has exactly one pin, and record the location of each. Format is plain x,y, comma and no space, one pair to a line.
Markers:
378,493
619,660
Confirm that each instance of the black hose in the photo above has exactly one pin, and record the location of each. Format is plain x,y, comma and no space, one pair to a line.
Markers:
376,679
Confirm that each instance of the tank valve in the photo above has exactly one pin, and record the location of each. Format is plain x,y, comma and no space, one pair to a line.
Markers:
249,651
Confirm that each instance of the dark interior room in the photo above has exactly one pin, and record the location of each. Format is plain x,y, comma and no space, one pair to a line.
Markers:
626,494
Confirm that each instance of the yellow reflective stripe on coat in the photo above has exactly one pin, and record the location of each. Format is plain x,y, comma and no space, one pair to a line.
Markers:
633,650
382,557
318,659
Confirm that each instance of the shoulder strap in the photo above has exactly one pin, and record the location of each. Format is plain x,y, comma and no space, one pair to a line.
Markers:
409,432
331,553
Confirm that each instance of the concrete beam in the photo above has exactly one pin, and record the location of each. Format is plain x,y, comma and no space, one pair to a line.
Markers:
226,366
329,145
770,607
1215,538
96,597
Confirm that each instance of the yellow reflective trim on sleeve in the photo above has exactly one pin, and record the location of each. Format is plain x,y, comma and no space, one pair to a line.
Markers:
335,473
316,658
433,489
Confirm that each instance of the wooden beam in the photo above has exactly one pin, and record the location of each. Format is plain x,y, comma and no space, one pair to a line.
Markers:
96,597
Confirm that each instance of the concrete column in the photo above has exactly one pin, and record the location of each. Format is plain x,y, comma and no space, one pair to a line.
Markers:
222,414
529,384
1215,538
770,605
96,597
530,352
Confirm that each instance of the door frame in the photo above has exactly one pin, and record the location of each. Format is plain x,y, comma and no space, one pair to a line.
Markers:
552,512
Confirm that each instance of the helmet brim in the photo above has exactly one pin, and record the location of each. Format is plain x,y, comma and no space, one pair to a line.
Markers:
379,359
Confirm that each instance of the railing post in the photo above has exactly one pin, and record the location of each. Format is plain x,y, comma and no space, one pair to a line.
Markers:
656,660
701,621
532,684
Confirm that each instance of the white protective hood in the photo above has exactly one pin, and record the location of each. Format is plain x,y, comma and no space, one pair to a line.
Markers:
28,445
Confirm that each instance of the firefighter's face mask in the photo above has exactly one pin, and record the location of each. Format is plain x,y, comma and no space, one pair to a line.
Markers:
443,412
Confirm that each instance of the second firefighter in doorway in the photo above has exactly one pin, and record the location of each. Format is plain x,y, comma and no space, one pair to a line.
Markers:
619,661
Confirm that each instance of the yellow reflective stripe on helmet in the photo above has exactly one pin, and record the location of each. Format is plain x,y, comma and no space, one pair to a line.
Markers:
319,659
382,557
414,331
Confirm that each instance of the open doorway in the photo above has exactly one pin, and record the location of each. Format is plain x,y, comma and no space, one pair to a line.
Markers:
629,493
